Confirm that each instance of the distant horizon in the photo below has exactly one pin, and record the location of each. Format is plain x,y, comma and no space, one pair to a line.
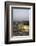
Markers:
19,21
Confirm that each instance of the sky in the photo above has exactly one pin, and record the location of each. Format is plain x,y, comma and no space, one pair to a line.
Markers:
20,14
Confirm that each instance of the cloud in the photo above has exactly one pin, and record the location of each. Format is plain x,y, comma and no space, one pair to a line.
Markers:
20,14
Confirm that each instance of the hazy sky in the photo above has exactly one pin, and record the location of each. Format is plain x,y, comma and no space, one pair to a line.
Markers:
20,14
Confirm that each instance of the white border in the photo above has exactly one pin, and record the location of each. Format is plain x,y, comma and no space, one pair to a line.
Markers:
14,38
